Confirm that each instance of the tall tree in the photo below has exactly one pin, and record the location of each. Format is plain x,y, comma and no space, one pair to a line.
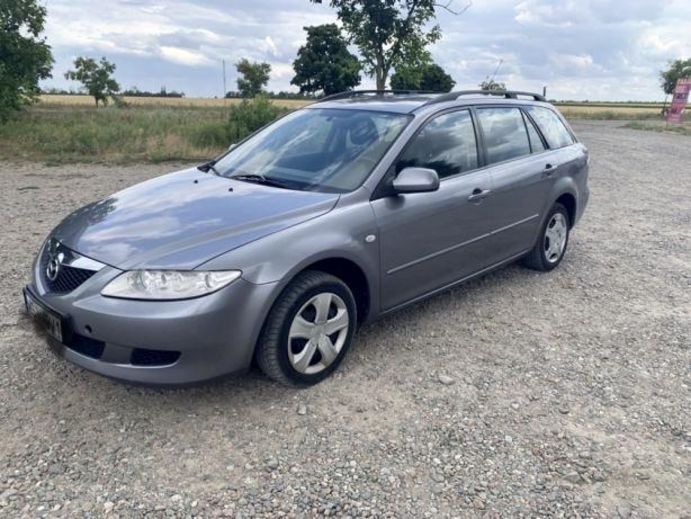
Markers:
324,63
429,76
253,77
678,69
389,33
96,77
25,57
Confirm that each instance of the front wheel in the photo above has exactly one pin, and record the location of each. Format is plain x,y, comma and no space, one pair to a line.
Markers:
551,245
308,330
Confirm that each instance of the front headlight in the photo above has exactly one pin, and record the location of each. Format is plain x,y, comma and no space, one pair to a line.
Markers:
168,284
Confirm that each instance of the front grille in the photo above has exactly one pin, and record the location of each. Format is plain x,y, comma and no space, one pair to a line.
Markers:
68,278
87,346
144,357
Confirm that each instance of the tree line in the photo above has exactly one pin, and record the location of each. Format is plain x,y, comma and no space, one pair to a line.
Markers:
392,38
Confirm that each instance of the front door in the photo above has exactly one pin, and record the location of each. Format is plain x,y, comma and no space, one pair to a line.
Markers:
430,240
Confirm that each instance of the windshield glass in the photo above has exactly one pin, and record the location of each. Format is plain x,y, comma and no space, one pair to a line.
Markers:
316,149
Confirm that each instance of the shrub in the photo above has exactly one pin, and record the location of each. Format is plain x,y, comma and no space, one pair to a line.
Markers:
248,116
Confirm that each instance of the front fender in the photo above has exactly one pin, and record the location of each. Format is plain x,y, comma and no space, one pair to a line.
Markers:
339,234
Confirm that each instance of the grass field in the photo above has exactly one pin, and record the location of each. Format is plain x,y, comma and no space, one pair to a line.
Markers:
64,129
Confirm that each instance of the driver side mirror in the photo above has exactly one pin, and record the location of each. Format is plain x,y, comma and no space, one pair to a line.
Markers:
232,147
416,180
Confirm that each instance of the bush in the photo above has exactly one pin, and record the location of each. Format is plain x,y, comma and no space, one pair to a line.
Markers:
248,116
210,135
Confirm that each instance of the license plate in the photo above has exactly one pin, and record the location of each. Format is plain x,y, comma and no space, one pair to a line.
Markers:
48,320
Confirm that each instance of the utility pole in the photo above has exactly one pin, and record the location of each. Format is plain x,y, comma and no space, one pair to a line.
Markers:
224,80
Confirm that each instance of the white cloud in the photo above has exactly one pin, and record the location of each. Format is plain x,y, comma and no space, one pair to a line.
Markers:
579,48
184,56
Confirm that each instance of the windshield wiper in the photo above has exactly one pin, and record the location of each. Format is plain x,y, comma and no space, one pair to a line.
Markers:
260,179
209,166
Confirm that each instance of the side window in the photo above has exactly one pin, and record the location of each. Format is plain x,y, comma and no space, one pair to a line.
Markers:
536,144
551,126
505,134
446,144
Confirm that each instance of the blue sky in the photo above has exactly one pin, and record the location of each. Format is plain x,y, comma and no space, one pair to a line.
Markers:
587,49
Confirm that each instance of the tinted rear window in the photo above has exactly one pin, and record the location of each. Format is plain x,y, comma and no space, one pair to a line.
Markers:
551,127
505,134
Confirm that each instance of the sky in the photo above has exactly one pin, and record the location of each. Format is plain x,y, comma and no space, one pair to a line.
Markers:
580,50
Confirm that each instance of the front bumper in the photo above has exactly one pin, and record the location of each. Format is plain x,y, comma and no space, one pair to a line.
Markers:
159,342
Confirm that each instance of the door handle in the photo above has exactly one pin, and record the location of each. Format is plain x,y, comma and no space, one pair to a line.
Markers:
479,194
549,170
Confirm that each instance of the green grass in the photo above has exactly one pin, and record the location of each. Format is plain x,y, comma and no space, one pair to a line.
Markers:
67,134
661,126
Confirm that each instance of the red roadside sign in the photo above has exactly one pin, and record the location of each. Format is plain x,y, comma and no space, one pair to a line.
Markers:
679,100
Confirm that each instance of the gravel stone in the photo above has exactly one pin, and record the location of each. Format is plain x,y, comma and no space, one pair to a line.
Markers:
605,336
446,380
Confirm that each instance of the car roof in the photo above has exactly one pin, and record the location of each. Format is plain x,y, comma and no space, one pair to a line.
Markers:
405,103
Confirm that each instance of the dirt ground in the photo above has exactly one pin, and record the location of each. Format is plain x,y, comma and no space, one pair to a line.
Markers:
563,394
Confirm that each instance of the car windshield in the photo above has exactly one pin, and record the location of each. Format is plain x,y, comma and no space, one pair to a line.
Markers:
318,149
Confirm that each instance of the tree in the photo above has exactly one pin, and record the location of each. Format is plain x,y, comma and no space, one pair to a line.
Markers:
389,33
25,57
254,77
324,63
96,78
491,84
429,76
677,69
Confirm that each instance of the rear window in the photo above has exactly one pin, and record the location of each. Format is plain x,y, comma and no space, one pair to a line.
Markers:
551,127
505,134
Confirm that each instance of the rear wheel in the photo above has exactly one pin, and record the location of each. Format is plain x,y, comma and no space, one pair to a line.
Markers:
308,331
551,245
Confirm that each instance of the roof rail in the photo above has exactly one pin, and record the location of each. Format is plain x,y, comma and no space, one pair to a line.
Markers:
356,93
507,94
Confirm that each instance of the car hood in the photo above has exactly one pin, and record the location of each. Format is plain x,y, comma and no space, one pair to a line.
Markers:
184,219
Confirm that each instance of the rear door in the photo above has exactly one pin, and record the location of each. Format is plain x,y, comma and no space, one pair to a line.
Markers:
566,156
522,172
430,240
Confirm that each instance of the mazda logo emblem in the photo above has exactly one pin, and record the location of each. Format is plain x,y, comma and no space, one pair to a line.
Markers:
53,268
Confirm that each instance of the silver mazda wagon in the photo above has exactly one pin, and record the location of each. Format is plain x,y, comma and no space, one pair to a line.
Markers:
332,216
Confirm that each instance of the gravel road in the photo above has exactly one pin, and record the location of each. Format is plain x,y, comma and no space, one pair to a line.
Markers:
519,394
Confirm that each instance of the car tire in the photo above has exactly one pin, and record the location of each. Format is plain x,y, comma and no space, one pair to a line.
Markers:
551,245
296,347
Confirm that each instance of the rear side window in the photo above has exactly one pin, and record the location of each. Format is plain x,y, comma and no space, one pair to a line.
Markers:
446,144
536,144
551,126
505,133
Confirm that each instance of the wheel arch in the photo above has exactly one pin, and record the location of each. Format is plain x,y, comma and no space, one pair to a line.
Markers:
348,271
568,200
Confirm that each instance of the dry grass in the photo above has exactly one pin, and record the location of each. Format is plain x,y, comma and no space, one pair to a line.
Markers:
662,126
181,102
610,111
573,110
